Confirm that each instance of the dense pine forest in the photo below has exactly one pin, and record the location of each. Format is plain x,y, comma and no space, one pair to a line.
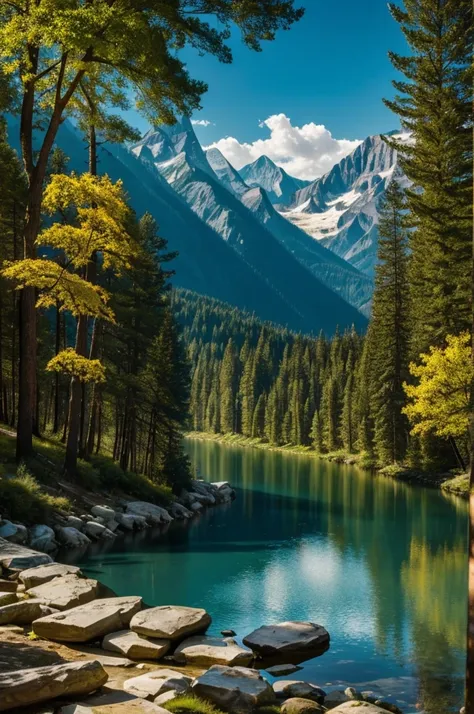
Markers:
96,352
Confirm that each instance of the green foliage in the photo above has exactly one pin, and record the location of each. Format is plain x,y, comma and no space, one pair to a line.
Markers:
190,704
440,401
389,337
434,103
23,499
112,478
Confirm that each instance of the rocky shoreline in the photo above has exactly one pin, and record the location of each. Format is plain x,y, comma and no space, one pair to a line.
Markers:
69,645
105,521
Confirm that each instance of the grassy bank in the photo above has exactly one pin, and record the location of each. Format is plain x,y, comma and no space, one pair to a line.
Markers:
450,482
32,491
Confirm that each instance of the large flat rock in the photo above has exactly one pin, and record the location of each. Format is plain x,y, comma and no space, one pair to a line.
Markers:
33,577
64,593
234,689
157,682
171,622
134,646
89,622
287,638
25,687
24,612
17,557
205,651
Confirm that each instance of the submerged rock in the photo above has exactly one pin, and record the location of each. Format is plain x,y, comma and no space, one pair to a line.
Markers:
286,689
234,689
170,622
24,687
88,622
281,670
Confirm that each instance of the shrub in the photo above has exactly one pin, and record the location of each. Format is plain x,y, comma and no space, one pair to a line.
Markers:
112,477
23,500
190,704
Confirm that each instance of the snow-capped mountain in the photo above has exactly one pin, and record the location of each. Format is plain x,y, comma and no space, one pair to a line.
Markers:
341,209
336,273
215,198
279,185
226,173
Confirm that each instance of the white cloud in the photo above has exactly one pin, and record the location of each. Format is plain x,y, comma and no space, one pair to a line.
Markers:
202,122
306,151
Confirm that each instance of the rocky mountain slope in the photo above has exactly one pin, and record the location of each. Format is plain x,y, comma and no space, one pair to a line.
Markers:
341,209
279,185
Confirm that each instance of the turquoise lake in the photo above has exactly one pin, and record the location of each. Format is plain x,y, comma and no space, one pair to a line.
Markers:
379,563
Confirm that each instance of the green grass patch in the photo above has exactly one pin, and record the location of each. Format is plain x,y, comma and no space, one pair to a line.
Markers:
190,704
23,499
112,477
459,485
268,709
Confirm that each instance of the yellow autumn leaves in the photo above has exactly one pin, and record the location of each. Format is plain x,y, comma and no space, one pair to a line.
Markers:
440,401
93,220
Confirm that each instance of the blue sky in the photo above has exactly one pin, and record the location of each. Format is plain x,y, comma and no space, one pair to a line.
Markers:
330,69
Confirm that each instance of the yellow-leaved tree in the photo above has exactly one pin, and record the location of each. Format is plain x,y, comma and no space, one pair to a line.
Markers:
440,401
94,223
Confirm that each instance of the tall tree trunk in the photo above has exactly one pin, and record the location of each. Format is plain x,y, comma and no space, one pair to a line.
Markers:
74,412
469,700
56,374
77,402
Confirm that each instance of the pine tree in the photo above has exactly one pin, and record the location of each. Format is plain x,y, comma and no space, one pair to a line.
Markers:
317,433
390,330
258,421
434,103
228,379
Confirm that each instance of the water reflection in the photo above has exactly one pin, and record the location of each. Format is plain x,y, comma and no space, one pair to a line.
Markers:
379,563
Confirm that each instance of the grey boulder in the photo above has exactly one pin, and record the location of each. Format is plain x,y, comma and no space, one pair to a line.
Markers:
14,532
17,557
133,646
24,612
42,537
157,682
234,689
351,707
299,705
287,638
286,689
154,515
88,622
66,592
173,622
44,573
71,537
25,687
205,651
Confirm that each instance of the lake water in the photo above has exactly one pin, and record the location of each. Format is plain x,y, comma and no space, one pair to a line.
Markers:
380,564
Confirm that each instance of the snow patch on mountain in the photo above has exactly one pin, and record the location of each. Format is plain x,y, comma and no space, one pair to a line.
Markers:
341,209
